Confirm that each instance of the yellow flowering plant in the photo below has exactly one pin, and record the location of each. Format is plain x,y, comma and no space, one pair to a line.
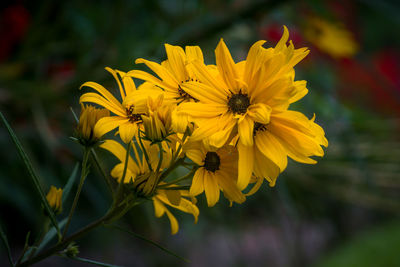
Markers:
229,125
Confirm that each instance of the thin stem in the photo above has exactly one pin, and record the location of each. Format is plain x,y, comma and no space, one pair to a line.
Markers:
145,152
106,178
171,168
185,135
161,158
187,176
128,149
66,241
84,173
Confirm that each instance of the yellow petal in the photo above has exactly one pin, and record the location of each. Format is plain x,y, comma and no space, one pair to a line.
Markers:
174,197
205,93
162,72
260,112
226,65
120,152
159,208
211,188
107,124
245,128
97,99
229,187
201,110
263,167
282,42
117,79
197,186
127,131
194,53
255,187
271,147
254,60
205,76
176,59
245,164
173,221
138,74
103,91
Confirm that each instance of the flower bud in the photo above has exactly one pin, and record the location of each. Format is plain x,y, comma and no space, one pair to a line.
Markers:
87,120
157,124
54,198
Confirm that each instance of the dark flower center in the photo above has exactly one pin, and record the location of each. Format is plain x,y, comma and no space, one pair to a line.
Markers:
183,95
133,117
259,127
238,103
211,162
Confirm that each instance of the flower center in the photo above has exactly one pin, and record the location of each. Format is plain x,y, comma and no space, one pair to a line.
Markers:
183,95
238,103
259,127
133,117
211,162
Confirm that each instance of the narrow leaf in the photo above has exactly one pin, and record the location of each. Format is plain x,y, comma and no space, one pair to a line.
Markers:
46,239
32,173
149,241
71,180
98,263
5,241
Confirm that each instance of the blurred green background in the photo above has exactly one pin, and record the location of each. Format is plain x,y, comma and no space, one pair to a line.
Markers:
344,211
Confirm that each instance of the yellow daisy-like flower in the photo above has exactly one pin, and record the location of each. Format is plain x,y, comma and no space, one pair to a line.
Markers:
177,199
54,197
244,98
217,172
333,39
126,118
173,73
138,171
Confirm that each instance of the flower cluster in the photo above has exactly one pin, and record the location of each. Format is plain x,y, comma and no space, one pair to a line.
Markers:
229,124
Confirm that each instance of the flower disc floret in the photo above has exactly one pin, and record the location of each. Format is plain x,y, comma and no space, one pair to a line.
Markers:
238,103
212,162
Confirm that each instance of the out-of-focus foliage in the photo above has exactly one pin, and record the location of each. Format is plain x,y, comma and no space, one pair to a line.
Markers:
49,48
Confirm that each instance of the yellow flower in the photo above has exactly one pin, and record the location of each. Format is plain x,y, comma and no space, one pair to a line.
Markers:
177,199
217,172
126,118
331,38
87,121
243,96
157,124
54,198
173,73
138,173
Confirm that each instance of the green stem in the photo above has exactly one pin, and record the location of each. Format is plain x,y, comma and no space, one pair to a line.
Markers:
187,176
171,168
145,153
106,178
119,189
78,192
185,135
61,245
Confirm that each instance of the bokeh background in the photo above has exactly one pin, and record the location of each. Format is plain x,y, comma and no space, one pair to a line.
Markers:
344,211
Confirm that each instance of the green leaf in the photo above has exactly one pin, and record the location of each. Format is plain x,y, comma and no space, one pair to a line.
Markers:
5,241
46,239
32,173
70,183
147,240
94,262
